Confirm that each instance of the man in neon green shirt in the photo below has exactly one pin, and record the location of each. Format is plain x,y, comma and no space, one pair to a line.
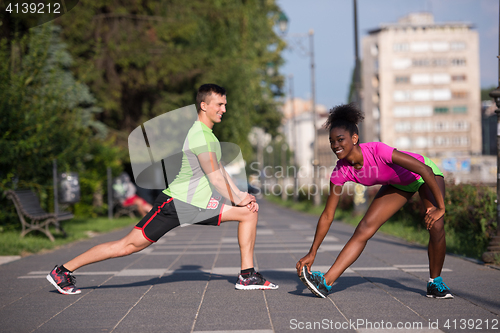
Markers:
189,199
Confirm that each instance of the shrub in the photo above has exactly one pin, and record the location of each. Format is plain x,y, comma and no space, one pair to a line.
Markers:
470,219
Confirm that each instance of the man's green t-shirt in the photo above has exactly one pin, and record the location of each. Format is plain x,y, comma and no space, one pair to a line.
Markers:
191,185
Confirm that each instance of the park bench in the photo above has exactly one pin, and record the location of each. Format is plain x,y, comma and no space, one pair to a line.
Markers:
121,210
28,205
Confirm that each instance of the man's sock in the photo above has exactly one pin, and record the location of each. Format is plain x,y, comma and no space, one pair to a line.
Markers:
431,280
247,272
64,269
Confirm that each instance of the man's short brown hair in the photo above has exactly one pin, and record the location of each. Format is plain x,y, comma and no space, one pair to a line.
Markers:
205,91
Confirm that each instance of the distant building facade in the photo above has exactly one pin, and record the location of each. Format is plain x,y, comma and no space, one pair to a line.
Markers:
299,132
421,88
421,93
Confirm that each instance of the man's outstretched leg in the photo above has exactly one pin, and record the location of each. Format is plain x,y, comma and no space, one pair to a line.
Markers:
161,219
61,276
248,279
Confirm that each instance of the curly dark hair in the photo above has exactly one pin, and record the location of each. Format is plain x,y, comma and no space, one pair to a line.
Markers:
346,116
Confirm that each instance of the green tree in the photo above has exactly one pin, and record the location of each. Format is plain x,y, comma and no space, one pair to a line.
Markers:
142,59
46,114
485,93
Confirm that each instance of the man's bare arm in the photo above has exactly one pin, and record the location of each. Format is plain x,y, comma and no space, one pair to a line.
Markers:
217,177
248,197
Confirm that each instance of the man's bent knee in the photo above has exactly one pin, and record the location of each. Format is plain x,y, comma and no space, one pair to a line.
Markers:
239,214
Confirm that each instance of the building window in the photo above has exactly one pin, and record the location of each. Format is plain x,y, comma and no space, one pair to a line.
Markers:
459,94
441,109
442,141
459,109
421,95
441,94
401,95
402,111
440,62
457,46
441,78
442,126
402,79
458,62
420,78
440,46
461,125
422,111
403,142
419,46
460,141
401,63
403,126
401,47
420,142
422,126
458,78
421,62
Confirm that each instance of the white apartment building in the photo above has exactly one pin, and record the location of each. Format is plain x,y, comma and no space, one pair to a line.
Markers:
421,88
299,132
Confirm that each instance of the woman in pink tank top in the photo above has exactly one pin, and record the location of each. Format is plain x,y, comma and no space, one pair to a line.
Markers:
401,174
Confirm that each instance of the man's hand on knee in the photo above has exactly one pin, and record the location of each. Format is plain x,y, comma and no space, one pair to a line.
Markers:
247,200
253,207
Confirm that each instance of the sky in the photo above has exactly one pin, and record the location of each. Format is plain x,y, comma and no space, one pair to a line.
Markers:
333,25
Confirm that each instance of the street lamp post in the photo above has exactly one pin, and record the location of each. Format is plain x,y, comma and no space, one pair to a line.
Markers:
294,139
360,200
494,246
284,192
317,195
283,25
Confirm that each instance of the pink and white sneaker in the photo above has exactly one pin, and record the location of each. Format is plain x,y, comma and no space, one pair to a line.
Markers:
254,281
63,281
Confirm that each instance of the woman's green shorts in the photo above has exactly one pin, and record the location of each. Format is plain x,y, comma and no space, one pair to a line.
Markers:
413,187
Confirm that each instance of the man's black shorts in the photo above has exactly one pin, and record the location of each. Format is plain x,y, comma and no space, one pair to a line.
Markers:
168,213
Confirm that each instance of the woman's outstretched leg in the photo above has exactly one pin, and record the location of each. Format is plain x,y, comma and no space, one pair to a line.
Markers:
387,202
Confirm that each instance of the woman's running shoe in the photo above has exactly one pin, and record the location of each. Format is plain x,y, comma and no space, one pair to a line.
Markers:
438,289
315,282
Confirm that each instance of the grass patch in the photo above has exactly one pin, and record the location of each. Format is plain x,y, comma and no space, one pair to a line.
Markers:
78,228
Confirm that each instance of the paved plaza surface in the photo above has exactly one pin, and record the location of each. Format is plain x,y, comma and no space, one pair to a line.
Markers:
185,283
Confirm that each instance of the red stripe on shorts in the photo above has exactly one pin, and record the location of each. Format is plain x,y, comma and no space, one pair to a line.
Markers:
151,218
220,214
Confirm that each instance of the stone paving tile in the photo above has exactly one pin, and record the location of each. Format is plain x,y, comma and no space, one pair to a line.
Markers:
169,288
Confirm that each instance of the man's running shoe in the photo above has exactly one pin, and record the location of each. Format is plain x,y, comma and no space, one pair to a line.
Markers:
63,281
254,281
315,282
438,289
